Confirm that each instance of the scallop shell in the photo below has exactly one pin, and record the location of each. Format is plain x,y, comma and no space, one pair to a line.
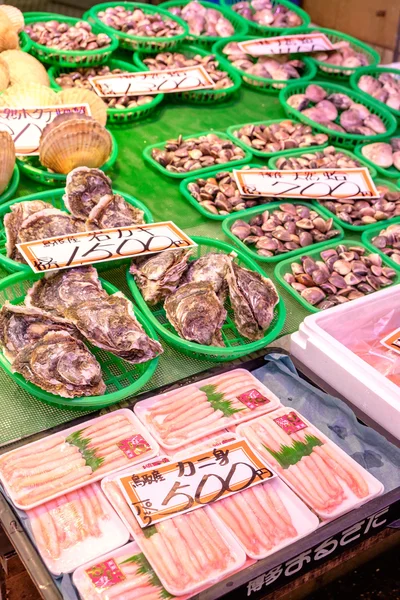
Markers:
8,36
28,95
7,159
24,68
15,16
75,143
4,76
98,108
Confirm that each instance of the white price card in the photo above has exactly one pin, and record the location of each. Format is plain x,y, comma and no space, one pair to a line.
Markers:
91,247
309,183
169,81
25,125
287,44
193,482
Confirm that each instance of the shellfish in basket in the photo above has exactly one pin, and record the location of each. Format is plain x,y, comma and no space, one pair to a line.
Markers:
28,95
7,159
98,108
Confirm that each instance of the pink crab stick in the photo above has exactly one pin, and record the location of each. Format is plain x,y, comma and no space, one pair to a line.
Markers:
197,426
181,423
272,526
30,495
109,435
118,500
345,471
319,480
40,447
178,550
329,475
186,532
105,423
302,486
31,462
49,476
205,525
76,526
195,401
49,531
44,467
159,554
210,546
173,402
272,494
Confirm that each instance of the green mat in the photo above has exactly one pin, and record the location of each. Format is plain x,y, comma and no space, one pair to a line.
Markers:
23,415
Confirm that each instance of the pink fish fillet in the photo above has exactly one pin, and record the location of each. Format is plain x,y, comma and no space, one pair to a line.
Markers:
30,495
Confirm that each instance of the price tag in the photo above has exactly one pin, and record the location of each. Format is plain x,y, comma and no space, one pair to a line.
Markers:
25,125
134,446
91,247
392,341
193,482
312,183
105,574
168,81
290,423
287,44
252,399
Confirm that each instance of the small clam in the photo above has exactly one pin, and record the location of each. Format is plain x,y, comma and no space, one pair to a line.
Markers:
313,295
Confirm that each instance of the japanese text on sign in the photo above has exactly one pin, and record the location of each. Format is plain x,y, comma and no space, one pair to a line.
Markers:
287,44
168,81
392,341
178,487
25,125
290,423
105,574
90,247
312,183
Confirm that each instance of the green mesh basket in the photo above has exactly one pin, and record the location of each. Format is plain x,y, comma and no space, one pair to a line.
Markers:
262,84
390,172
67,58
55,197
235,345
273,166
374,72
265,31
246,215
198,96
32,167
25,42
347,140
122,379
285,267
360,228
374,231
136,42
240,26
231,133
12,186
336,71
115,116
148,150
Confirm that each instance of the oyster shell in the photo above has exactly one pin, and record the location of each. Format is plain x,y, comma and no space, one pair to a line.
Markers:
98,108
113,211
24,67
14,219
196,313
83,190
7,159
14,15
159,275
210,268
62,365
29,95
46,224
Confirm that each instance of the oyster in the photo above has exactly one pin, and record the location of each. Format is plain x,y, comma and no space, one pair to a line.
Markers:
62,365
14,219
159,275
113,211
210,268
83,190
196,313
46,224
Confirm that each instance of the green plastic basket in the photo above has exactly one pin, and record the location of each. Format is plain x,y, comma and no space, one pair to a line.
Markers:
68,58
183,188
284,267
240,26
25,42
367,236
375,72
236,345
262,84
390,172
122,379
32,168
358,228
136,42
272,161
55,197
347,140
246,215
336,71
115,116
230,132
198,96
255,29
147,156
12,186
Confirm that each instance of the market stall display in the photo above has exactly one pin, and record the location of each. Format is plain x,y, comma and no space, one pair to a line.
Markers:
381,83
383,156
269,17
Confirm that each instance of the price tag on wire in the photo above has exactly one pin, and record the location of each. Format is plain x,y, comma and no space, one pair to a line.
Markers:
287,44
193,482
307,184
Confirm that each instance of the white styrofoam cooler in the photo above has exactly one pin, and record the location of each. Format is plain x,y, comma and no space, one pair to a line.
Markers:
316,346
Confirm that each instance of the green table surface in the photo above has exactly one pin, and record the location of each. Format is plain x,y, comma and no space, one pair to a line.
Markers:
22,414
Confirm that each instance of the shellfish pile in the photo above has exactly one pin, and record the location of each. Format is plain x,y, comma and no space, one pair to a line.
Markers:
328,158
344,55
385,88
139,23
383,154
285,135
203,21
268,14
63,36
388,241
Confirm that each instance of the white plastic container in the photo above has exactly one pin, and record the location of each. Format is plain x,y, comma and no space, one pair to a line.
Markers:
317,346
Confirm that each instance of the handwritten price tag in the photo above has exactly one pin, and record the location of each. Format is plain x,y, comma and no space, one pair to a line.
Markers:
287,44
313,183
90,247
169,81
201,479
105,574
392,341
25,125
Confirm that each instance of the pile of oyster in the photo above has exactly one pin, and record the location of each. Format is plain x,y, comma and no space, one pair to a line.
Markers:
43,339
184,155
178,60
367,210
7,159
328,158
195,294
342,274
343,55
282,230
63,36
80,79
285,135
268,14
388,241
139,23
383,154
203,21
91,203
336,111
385,88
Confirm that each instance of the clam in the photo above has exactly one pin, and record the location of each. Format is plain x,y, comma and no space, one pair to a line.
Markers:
98,108
14,15
298,101
23,67
328,108
315,93
341,101
7,159
380,153
375,123
28,95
